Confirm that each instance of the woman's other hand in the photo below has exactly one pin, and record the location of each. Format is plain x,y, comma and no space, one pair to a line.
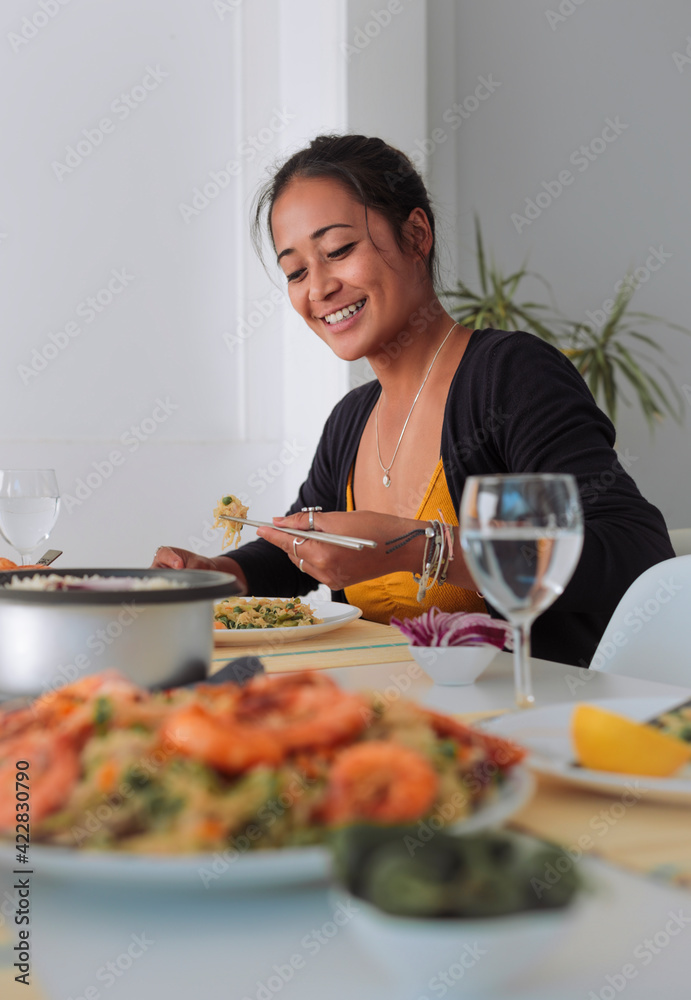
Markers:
167,557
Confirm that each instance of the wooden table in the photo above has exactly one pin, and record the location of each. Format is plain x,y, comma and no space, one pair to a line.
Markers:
239,947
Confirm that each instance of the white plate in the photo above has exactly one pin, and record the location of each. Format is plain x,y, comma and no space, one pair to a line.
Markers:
546,734
233,871
332,613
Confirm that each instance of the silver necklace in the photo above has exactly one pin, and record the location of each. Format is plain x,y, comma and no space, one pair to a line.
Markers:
387,469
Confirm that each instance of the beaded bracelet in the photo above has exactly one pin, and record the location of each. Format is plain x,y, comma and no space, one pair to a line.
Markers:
435,567
423,579
448,531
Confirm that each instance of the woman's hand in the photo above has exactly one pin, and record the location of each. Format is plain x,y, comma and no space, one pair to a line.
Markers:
167,557
339,567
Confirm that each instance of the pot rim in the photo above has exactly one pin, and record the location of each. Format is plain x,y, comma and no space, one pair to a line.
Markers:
199,585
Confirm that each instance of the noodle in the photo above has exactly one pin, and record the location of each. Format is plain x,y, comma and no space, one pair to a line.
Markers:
229,505
264,612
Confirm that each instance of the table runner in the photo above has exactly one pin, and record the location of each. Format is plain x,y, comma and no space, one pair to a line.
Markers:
628,829
637,834
341,648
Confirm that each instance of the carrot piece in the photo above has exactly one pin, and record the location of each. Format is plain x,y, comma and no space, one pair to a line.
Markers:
107,776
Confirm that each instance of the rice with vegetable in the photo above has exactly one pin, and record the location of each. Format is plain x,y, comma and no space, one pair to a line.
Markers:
282,760
263,612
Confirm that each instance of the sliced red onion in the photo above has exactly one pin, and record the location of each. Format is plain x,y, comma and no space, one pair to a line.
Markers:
460,628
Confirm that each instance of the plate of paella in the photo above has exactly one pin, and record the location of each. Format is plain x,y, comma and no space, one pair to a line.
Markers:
227,786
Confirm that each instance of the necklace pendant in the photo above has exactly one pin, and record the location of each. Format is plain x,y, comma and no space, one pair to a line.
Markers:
386,480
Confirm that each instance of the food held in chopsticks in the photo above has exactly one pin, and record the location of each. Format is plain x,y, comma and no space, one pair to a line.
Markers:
230,506
263,612
279,761
605,741
461,628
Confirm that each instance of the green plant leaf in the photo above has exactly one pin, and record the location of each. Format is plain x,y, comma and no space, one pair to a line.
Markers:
608,358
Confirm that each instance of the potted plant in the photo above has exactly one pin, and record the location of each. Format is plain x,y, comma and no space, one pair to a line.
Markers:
611,359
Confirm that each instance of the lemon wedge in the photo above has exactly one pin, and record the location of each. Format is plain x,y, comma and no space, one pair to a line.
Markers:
604,741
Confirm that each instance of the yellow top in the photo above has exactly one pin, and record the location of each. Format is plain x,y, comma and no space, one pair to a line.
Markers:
395,595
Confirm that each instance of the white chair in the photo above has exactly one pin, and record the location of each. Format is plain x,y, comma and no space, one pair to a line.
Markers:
681,541
649,634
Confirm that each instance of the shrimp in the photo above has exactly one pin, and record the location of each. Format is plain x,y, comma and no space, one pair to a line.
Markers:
14,721
70,708
500,751
227,746
382,782
54,769
73,709
304,710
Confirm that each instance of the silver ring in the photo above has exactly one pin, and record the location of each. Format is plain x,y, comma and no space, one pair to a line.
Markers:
300,564
310,511
297,541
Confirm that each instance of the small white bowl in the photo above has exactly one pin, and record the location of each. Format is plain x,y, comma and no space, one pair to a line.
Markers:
454,664
479,955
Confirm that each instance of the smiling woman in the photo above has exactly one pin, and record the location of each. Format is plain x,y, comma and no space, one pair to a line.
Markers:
352,229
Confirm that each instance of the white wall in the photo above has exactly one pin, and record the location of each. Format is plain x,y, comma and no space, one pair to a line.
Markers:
193,350
561,77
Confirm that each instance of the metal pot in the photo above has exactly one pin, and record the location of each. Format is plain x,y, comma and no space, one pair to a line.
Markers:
159,638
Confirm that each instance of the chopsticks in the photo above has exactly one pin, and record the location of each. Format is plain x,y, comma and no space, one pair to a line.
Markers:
345,541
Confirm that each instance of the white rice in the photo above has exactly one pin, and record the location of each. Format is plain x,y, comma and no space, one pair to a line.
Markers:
54,581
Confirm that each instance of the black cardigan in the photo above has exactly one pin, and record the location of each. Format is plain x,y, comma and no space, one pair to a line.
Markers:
515,404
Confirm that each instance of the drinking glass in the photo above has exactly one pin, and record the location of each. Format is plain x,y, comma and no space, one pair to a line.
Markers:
522,537
29,504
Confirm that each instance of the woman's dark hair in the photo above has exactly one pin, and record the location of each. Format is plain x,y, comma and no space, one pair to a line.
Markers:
380,176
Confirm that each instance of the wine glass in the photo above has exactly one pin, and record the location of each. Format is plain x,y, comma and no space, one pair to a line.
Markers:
522,537
29,504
